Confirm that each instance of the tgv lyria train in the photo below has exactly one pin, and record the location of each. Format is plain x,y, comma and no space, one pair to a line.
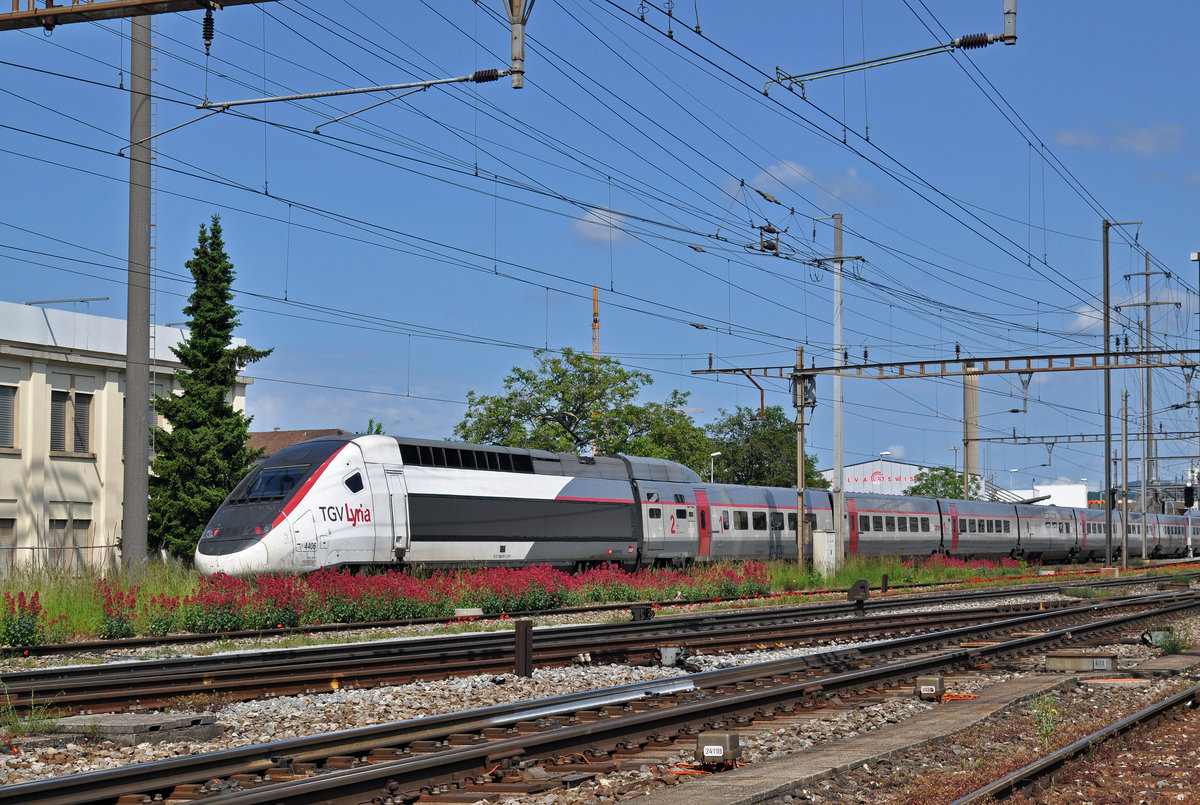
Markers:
346,501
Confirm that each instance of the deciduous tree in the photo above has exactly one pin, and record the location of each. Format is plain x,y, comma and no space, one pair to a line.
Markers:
942,482
571,401
759,450
202,456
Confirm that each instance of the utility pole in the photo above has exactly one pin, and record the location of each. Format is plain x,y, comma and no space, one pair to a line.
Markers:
803,396
1105,226
136,494
970,427
1125,480
839,358
1148,447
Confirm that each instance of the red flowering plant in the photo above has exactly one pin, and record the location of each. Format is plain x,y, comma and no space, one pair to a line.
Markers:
117,609
608,582
24,621
275,601
501,589
734,581
160,615
217,605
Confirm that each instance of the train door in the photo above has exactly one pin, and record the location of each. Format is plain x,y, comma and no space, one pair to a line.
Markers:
953,528
397,535
852,522
655,524
702,511
305,534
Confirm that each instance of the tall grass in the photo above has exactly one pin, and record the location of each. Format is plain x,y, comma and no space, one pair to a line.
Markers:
787,575
71,593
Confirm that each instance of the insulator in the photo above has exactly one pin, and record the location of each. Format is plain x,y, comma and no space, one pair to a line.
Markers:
973,41
483,76
209,27
770,230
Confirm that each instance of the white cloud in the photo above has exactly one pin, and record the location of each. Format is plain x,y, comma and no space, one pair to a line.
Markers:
1078,139
897,451
1155,140
829,188
599,225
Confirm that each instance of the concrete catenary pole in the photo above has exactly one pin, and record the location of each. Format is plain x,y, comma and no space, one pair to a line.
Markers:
839,508
1125,478
136,491
1108,501
970,428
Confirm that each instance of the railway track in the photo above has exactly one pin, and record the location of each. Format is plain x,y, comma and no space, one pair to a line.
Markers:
146,684
482,752
1126,772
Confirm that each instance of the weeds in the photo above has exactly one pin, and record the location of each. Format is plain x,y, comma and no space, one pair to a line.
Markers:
1176,640
1044,717
40,720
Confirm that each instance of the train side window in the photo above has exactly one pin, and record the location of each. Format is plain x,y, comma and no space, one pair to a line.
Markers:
889,523
877,523
725,520
777,521
468,459
655,514
971,525
354,483
652,497
864,522
902,524
681,514
703,521
760,521
912,524
426,455
409,454
741,521
925,525
991,526
678,498
453,459
1007,527
791,521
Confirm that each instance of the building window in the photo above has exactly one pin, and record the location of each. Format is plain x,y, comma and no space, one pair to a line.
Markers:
70,422
68,543
8,542
8,416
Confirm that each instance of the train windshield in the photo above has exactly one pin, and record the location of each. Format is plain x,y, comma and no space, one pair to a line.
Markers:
280,476
273,483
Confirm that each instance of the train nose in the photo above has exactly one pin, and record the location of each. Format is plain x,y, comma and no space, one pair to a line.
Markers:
247,562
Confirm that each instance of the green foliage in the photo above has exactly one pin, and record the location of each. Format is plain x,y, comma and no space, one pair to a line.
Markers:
1176,640
204,454
759,450
1044,717
572,400
374,428
943,482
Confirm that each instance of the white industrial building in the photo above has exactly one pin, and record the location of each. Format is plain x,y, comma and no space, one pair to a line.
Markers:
62,396
879,476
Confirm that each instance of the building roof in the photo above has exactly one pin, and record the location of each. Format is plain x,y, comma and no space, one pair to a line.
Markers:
272,441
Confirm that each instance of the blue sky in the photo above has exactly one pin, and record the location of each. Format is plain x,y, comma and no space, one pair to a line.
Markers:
422,249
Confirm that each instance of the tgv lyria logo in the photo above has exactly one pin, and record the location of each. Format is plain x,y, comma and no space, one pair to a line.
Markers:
345,514
877,477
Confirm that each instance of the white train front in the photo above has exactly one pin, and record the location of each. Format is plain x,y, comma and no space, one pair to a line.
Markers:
356,501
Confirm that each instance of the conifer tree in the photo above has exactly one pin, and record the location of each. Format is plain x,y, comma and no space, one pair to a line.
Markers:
203,455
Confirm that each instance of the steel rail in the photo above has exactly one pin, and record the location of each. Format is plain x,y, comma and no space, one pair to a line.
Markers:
730,697
1055,759
249,674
